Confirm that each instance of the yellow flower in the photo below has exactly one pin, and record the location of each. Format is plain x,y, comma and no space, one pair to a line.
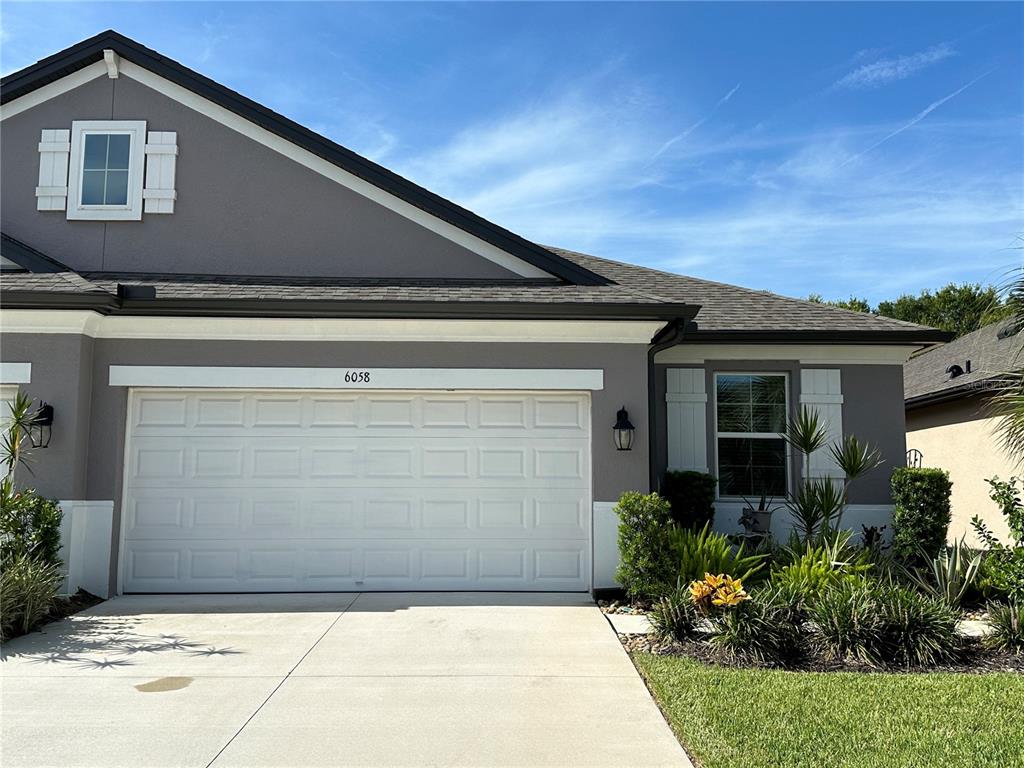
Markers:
699,591
714,581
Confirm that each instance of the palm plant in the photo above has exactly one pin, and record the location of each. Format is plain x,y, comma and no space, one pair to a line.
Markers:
818,504
1008,401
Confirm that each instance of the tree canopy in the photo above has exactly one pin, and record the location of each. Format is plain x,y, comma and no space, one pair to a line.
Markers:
958,309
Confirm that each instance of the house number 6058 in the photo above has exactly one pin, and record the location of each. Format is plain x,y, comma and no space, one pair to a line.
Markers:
354,377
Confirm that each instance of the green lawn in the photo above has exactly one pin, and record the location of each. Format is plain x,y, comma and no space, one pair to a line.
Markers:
738,718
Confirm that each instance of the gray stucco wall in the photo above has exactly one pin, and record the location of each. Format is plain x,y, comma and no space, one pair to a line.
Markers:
242,208
872,410
98,424
61,376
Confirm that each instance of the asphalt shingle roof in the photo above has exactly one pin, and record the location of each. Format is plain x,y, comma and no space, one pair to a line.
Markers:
724,308
925,376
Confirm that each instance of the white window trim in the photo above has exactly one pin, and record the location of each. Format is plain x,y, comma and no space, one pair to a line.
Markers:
136,129
755,435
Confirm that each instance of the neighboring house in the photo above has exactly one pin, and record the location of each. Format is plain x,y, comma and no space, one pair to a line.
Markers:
948,390
276,365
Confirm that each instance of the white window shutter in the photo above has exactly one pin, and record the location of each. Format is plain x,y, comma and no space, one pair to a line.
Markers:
158,195
686,401
821,390
54,150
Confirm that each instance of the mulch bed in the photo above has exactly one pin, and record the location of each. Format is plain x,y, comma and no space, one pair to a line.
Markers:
62,608
971,658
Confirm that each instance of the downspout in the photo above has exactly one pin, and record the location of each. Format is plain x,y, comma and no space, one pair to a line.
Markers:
667,337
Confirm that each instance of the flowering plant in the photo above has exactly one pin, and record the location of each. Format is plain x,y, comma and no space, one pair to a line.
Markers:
722,591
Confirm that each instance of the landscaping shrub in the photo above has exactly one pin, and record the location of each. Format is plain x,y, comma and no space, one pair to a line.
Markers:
810,569
674,617
915,628
647,560
717,591
874,624
762,630
29,527
703,551
921,515
692,496
27,588
1002,574
1007,623
1005,494
845,618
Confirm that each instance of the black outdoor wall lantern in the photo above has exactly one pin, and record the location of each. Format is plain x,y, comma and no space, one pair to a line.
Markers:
40,429
623,431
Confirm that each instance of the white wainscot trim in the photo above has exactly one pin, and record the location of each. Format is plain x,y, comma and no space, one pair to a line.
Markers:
812,354
356,378
89,323
85,536
606,545
727,518
15,373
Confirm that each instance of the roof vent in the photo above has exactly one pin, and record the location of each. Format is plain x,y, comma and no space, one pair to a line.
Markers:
954,371
136,291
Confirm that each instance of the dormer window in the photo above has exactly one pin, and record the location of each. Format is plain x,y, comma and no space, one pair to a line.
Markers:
106,170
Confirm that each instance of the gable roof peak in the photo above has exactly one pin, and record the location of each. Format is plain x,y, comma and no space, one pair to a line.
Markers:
90,51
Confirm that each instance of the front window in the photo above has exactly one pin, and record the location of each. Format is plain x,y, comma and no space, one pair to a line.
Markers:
107,168
750,421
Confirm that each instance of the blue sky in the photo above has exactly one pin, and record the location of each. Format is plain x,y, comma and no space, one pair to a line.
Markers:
865,149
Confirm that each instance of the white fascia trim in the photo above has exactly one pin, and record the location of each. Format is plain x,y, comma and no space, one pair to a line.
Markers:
227,377
309,160
15,373
92,324
51,90
808,354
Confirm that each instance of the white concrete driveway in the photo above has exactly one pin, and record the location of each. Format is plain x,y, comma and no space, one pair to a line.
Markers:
329,680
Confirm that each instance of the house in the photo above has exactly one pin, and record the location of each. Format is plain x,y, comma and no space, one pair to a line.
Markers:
949,423
275,365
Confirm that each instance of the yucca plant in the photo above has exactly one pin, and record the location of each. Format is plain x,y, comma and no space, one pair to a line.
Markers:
950,574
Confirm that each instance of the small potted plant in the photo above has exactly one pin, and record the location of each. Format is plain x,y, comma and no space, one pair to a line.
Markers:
757,521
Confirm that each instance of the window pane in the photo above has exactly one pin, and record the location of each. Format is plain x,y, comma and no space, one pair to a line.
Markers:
767,418
117,188
92,187
95,151
751,466
733,418
734,389
117,155
768,389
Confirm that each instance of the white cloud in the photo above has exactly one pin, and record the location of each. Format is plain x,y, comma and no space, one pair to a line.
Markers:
885,71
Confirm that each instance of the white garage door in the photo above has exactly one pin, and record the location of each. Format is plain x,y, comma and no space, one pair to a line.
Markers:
231,491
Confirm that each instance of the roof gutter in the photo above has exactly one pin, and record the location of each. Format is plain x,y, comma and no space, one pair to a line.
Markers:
129,304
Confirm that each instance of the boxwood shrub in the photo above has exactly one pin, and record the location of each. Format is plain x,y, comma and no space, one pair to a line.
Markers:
692,497
921,515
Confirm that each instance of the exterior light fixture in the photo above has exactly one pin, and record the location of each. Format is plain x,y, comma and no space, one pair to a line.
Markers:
623,431
41,427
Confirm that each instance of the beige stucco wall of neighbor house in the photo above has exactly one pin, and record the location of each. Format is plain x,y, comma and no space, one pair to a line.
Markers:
959,436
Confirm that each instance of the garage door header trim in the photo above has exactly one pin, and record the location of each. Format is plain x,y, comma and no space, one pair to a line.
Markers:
246,377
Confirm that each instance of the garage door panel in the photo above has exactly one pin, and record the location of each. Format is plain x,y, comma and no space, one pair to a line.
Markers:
264,491
313,565
156,514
